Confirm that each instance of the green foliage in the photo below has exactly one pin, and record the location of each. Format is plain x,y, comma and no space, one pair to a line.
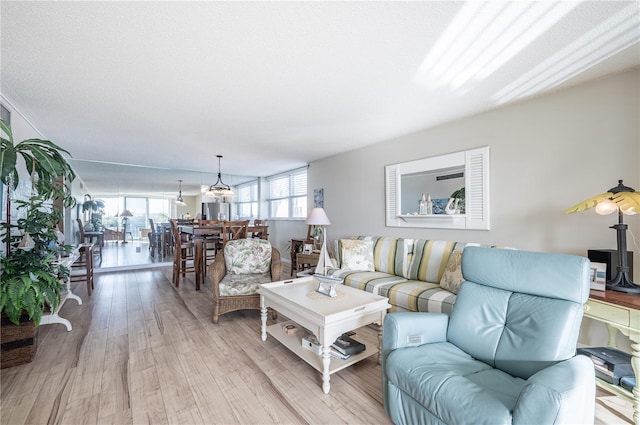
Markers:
92,204
30,278
458,194
43,159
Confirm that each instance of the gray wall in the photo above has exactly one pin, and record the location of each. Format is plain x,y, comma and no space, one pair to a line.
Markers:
547,154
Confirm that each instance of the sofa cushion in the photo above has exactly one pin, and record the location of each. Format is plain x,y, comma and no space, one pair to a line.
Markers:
245,256
452,277
429,260
390,255
416,295
367,281
357,254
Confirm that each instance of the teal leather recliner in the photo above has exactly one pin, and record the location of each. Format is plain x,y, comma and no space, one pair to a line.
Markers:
507,353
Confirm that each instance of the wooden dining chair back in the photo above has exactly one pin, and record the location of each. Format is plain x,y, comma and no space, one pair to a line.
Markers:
210,242
232,230
183,254
260,229
154,239
81,235
82,269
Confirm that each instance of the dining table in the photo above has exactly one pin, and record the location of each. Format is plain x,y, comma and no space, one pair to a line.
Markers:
198,233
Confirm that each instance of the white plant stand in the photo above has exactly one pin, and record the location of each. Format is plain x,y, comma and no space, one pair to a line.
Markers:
54,317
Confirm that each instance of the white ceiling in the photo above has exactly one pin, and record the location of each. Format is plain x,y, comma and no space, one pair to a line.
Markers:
275,85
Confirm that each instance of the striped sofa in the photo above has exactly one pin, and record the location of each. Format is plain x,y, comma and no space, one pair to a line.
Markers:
407,271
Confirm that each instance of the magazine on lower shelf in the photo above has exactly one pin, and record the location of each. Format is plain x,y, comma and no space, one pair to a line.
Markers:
337,355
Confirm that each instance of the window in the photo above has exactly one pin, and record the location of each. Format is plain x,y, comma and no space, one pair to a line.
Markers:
288,194
137,207
247,200
158,209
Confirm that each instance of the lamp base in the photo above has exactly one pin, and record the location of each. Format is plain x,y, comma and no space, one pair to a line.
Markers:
622,283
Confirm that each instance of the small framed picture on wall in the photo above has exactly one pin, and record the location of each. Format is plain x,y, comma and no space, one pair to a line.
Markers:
318,198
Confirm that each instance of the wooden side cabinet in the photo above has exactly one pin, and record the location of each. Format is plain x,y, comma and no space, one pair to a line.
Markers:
306,261
620,312
296,247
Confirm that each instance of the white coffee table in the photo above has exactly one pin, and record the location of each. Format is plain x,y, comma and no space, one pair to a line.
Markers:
327,318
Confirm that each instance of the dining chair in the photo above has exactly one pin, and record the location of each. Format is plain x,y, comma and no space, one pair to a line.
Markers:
260,229
154,240
210,243
82,268
166,238
97,249
232,230
81,235
183,254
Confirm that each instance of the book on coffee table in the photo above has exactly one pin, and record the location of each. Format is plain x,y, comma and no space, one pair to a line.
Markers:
347,345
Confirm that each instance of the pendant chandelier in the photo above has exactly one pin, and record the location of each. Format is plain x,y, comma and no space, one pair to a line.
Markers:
219,188
179,200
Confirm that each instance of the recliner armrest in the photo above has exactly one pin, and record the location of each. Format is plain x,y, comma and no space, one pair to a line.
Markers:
412,329
566,390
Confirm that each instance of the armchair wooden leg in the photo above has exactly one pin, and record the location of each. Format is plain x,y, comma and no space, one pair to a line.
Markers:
216,313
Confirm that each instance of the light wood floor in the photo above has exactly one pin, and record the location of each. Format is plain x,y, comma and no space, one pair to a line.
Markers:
134,253
143,352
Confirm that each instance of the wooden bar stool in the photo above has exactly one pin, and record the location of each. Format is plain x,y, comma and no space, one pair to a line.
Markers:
82,269
183,255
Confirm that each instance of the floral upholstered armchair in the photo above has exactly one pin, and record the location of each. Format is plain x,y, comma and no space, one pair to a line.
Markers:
237,272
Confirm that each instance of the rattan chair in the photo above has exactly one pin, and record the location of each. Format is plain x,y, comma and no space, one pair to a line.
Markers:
237,291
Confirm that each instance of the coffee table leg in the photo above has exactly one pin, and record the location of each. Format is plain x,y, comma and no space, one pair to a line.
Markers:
263,317
379,342
326,361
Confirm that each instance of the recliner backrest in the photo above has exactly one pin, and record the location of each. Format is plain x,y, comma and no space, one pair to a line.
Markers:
519,311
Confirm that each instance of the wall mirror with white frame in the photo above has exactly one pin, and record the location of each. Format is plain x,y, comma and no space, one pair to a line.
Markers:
442,179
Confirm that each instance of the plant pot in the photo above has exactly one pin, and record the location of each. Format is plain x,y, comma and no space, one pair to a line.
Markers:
18,343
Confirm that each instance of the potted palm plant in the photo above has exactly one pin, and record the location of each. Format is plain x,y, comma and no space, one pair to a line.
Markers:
30,276
96,207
